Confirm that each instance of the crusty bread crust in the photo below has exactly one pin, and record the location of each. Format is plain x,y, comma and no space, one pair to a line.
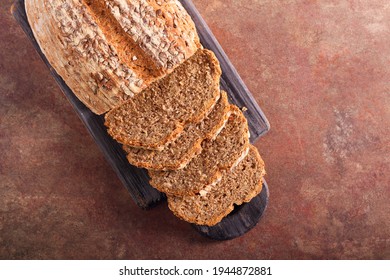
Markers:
128,50
78,51
174,34
212,204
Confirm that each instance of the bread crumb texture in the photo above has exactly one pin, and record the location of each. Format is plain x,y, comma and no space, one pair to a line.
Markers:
181,151
205,169
157,116
211,204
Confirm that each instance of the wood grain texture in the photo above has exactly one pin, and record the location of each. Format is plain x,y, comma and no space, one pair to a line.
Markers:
136,180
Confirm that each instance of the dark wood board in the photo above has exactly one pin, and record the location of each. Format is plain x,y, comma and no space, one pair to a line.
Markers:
136,180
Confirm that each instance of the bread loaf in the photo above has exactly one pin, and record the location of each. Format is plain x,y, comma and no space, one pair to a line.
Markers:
226,151
157,116
104,73
178,153
213,203
141,63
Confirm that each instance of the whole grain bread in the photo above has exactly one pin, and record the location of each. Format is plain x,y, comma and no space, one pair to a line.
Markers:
179,152
223,153
157,116
141,61
99,72
212,204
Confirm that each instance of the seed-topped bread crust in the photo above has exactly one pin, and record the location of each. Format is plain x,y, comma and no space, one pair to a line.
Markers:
213,203
174,36
157,116
152,37
228,148
179,152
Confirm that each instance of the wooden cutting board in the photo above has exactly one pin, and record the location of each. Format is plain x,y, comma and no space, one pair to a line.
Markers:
136,180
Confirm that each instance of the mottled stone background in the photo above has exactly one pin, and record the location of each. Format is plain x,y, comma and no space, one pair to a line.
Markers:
319,70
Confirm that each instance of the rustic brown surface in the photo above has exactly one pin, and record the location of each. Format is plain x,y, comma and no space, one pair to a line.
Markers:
320,71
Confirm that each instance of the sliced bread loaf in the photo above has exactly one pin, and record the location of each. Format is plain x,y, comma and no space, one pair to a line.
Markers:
212,204
179,152
228,148
157,116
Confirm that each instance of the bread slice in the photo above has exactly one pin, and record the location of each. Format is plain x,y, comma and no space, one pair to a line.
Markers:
228,148
95,68
212,204
179,152
157,116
